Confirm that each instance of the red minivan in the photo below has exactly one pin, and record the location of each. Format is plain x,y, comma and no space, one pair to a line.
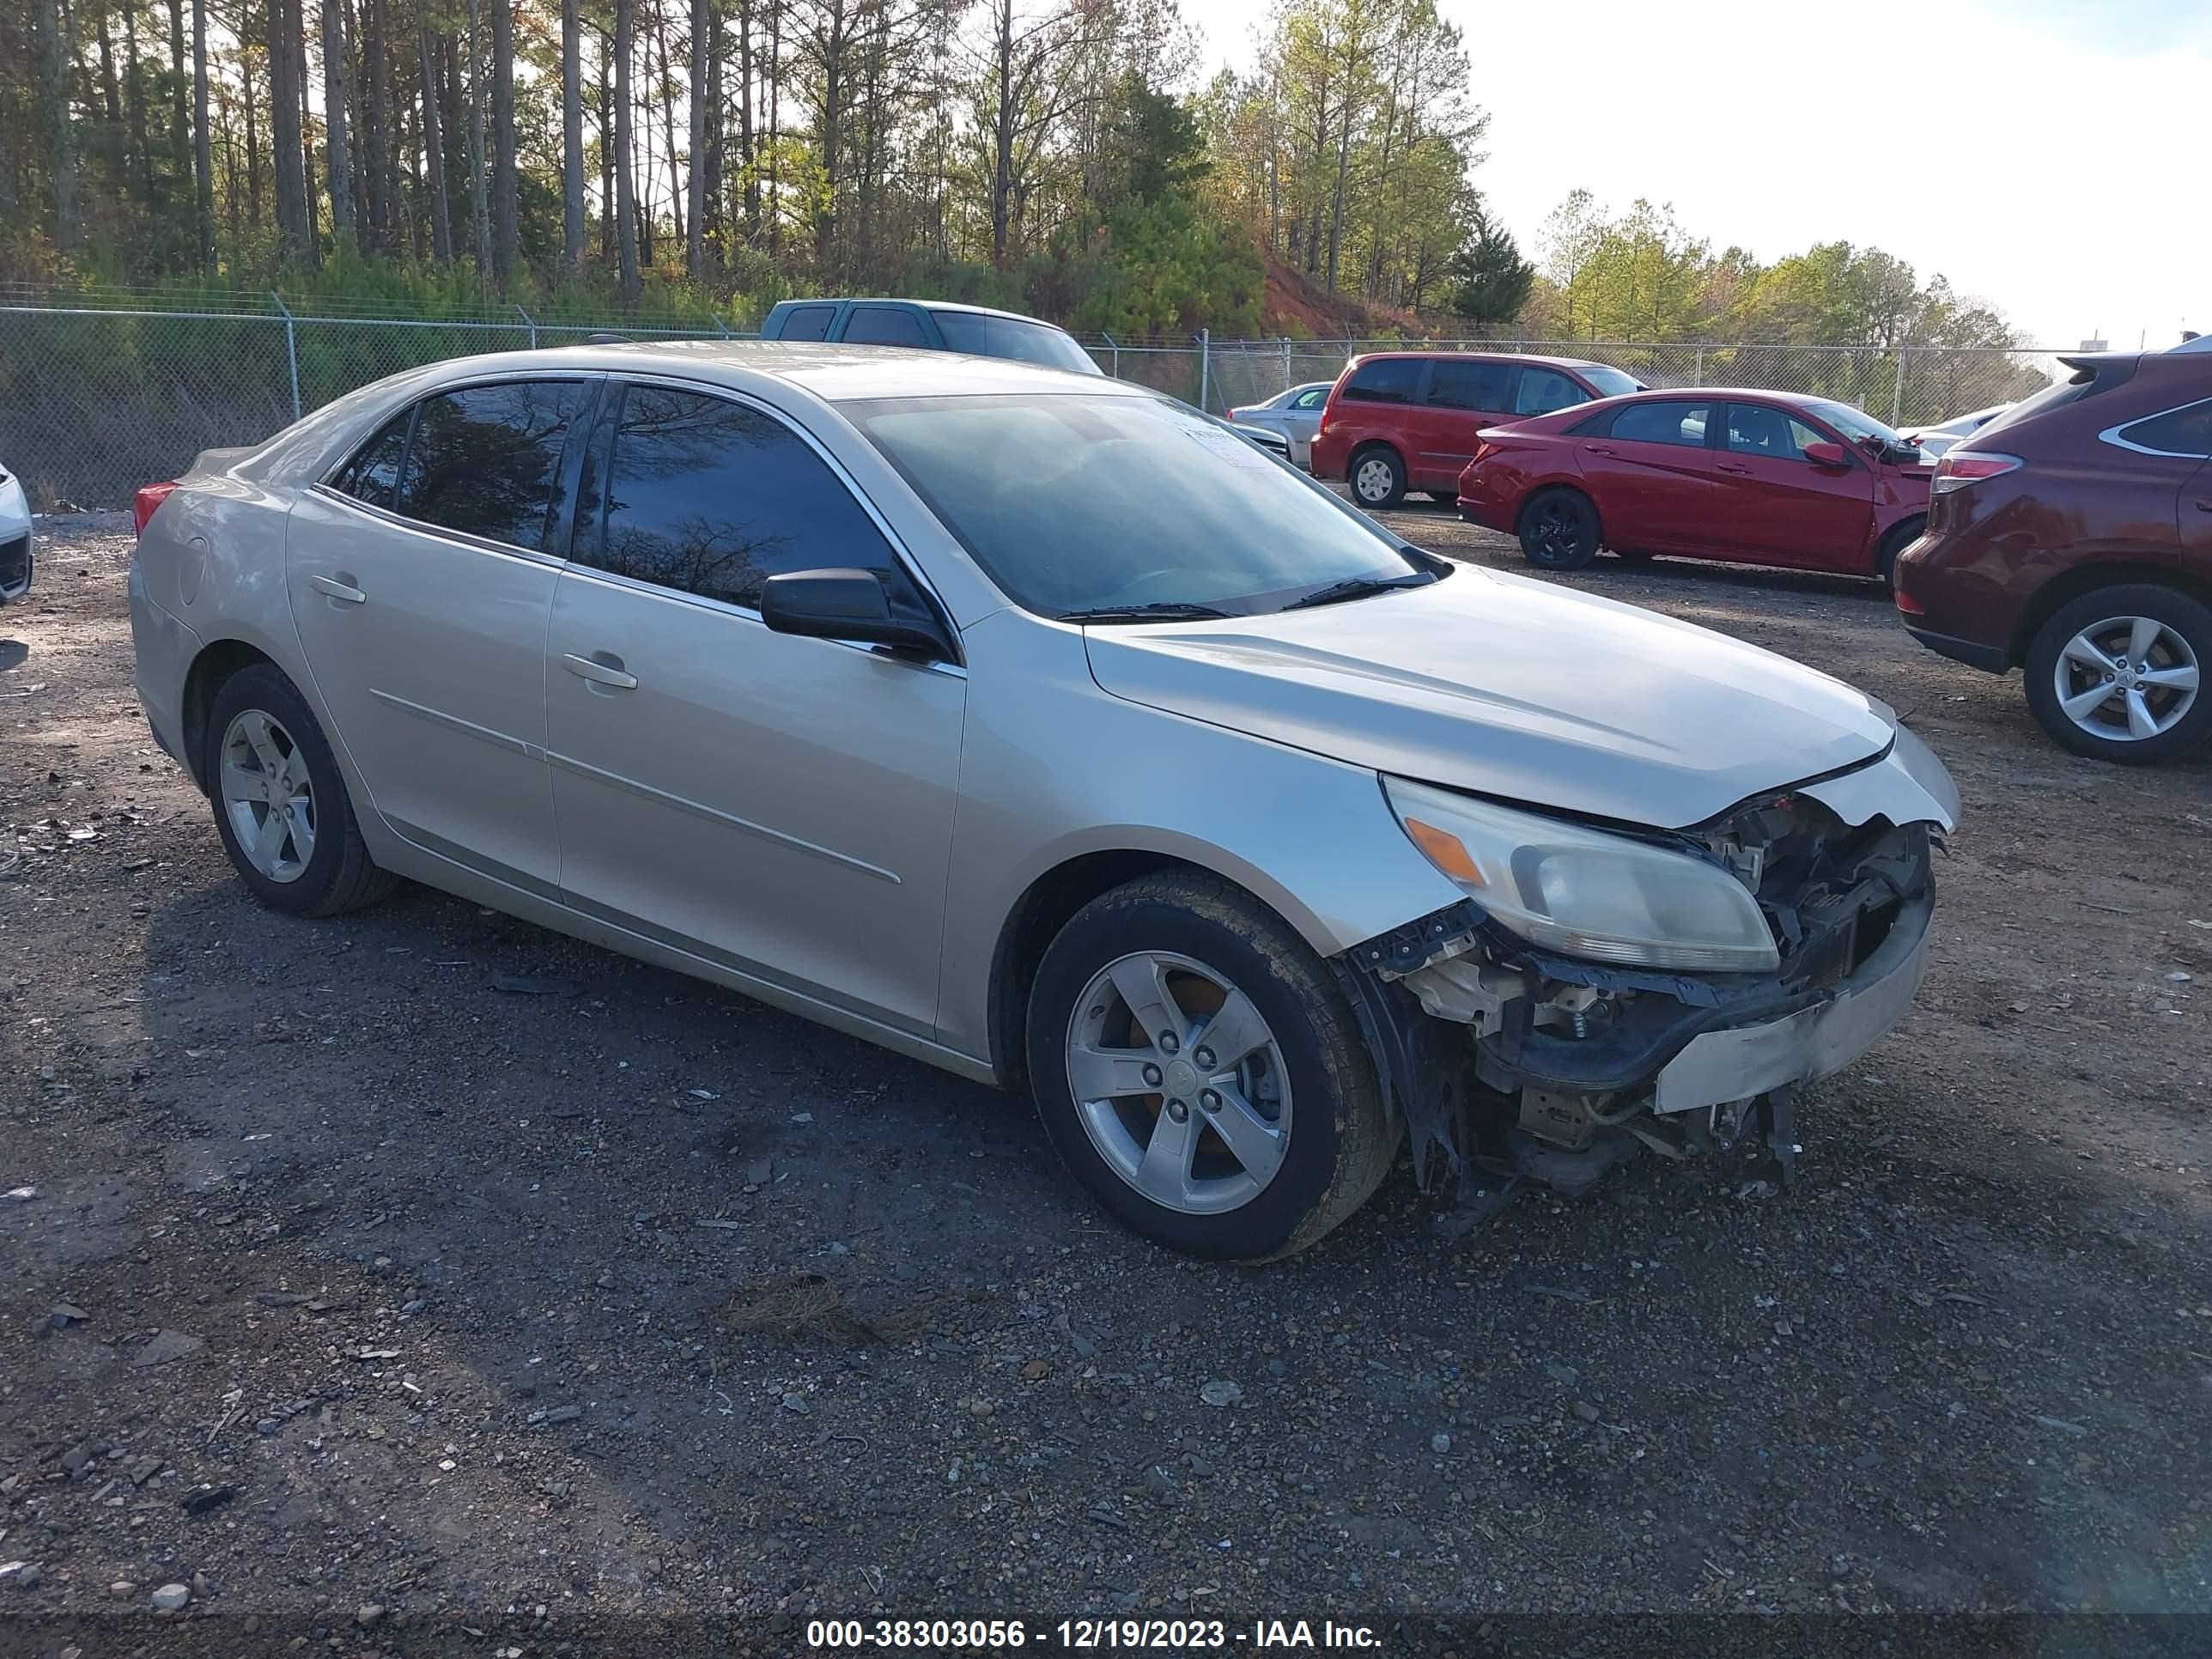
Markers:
1397,421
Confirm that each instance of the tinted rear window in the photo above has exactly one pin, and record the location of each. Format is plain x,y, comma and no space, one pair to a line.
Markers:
807,323
486,461
1665,422
1471,383
1384,380
2184,431
884,325
373,475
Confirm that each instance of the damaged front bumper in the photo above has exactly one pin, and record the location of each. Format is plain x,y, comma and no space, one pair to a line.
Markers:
1509,1061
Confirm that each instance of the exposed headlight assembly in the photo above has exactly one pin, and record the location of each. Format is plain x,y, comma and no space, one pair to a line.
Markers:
1584,892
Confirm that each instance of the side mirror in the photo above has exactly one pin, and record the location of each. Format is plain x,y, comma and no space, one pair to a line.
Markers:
1824,454
848,604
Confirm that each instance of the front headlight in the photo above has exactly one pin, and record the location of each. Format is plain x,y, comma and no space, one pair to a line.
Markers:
1586,893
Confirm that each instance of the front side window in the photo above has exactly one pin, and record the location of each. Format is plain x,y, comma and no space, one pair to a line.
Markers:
1384,380
1544,390
1469,383
373,475
1312,397
884,325
486,461
981,335
712,497
807,323
1074,502
2184,431
1609,382
1665,422
1761,429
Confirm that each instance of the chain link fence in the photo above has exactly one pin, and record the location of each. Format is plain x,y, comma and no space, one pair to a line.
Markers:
95,400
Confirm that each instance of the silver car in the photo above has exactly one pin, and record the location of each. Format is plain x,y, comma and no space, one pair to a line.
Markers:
1295,414
16,558
1038,727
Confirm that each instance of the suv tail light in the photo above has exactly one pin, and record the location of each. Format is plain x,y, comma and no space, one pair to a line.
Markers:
1957,468
142,504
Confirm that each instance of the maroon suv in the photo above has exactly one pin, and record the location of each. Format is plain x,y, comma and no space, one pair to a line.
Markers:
2072,537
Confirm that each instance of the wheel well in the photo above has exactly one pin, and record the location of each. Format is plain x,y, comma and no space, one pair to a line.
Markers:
2085,578
1038,917
1351,464
1893,541
210,670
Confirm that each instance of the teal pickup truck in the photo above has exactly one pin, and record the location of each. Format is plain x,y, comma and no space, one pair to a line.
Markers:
929,325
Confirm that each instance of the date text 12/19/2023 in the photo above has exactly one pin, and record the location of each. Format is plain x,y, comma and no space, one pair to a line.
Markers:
1087,1635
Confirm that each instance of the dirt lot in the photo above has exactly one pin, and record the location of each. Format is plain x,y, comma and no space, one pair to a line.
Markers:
510,1314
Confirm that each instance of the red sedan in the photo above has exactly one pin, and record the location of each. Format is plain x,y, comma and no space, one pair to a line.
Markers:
1754,477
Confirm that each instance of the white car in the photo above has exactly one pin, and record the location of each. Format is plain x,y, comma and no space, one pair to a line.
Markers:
1295,414
1935,440
14,538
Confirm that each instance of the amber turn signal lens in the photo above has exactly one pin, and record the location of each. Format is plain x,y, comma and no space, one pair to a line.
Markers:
1445,852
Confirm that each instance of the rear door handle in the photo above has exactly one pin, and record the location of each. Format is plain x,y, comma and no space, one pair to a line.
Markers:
2204,503
1597,449
1736,467
339,588
605,670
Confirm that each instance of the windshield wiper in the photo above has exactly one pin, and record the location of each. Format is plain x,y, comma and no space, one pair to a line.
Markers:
1358,587
1162,610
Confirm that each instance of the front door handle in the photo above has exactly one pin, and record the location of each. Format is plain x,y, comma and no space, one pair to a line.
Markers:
339,588
604,669
1736,467
2204,503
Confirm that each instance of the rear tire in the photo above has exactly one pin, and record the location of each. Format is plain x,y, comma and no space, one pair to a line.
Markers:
266,758
1378,477
1901,536
1218,1181
1559,530
2158,644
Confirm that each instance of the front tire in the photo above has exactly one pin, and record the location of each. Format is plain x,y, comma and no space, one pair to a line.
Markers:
1559,530
1201,1072
1378,477
1899,537
281,805
2119,674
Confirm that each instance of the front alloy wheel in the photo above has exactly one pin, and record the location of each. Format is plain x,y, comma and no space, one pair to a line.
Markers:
1202,1071
1179,1083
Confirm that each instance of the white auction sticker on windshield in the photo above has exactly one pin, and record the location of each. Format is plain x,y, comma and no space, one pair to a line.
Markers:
1227,444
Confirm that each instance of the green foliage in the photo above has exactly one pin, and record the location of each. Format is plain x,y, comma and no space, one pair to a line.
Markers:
1490,281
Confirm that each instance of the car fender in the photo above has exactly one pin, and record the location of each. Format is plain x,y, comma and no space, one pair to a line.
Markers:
1311,837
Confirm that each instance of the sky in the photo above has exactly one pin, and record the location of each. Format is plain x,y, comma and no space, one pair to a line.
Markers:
2051,156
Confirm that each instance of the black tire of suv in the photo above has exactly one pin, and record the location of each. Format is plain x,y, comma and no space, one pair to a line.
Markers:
1568,511
340,875
1342,1139
2187,616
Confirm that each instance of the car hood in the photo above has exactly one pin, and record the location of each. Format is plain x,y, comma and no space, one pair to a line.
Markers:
1511,688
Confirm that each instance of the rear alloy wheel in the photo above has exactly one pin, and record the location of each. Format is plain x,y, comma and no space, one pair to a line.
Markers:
1559,530
280,803
2118,674
1201,1071
1379,478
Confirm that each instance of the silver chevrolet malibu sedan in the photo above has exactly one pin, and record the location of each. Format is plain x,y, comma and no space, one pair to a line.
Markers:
1038,727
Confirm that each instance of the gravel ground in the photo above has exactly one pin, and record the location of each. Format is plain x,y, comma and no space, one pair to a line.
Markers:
357,1292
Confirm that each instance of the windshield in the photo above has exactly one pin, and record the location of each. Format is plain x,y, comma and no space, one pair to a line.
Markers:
984,336
1074,502
1609,382
1854,423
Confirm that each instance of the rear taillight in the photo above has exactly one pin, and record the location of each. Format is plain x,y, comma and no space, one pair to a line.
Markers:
1957,469
147,499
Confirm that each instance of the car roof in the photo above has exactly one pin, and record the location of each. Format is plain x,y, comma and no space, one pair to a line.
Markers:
832,371
925,305
1486,356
